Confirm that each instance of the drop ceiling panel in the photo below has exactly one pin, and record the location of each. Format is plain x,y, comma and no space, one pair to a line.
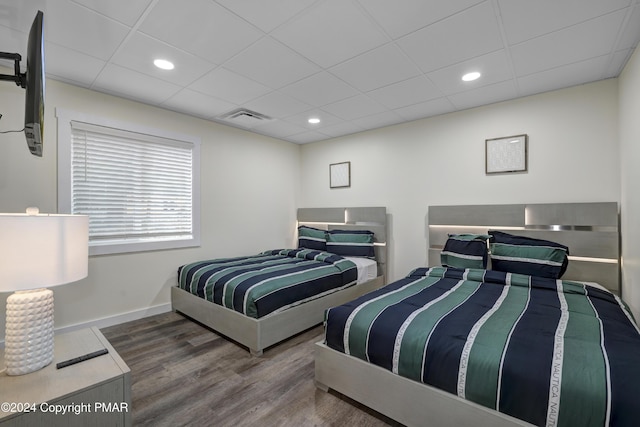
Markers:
230,86
326,119
197,104
84,30
454,39
258,63
355,107
277,105
140,50
485,95
377,68
425,109
379,120
526,20
279,128
556,78
320,89
577,43
399,18
85,68
411,91
13,41
201,27
330,32
18,15
631,32
616,63
344,128
132,84
128,12
264,14
308,136
493,66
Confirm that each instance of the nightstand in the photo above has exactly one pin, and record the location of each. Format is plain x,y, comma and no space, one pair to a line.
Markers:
94,392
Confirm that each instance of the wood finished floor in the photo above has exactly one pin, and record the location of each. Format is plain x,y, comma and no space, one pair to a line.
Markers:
182,373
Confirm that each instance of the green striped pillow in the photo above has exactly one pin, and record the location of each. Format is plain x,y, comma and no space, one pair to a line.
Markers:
465,251
312,238
357,243
526,255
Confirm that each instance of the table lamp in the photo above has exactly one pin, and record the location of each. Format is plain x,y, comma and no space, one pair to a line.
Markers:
37,251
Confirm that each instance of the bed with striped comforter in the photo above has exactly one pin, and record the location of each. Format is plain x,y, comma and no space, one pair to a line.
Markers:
546,351
268,282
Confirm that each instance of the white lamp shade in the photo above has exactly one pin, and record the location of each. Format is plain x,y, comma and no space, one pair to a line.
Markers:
42,250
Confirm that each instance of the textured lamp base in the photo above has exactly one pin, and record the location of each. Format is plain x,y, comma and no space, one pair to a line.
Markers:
29,331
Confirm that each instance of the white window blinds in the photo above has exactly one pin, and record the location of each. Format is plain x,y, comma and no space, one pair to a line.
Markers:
134,187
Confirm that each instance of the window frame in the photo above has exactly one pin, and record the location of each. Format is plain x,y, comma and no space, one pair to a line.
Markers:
64,119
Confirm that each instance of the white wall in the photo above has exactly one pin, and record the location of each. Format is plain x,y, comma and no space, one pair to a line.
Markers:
573,157
629,83
249,189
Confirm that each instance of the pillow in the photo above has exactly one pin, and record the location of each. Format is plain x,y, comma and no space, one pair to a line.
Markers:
351,243
465,251
526,255
312,238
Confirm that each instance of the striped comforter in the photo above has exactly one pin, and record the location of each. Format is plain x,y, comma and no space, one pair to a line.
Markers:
271,281
546,351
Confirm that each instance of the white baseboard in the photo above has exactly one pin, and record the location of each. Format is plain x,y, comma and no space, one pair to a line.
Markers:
113,320
118,319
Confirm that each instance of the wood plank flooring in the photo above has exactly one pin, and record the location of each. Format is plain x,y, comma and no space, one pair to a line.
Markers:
182,373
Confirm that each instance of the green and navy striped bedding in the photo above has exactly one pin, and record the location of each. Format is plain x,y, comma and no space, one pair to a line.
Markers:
549,352
268,282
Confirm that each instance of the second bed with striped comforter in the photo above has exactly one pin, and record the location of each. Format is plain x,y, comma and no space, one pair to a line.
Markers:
268,282
546,351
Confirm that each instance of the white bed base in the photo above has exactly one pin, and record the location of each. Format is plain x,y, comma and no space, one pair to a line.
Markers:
258,334
406,401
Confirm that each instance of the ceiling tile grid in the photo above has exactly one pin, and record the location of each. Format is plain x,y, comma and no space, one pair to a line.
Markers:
353,64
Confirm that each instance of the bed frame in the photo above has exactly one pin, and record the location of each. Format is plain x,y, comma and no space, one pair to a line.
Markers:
590,230
258,334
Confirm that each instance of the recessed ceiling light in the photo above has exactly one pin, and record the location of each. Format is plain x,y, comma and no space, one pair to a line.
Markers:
314,120
163,64
471,76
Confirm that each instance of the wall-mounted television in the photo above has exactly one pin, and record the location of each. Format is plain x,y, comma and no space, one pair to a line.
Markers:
33,80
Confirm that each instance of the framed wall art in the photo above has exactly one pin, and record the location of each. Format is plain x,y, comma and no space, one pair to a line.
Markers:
340,175
506,155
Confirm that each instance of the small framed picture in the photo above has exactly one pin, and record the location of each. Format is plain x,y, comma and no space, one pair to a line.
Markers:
340,175
506,155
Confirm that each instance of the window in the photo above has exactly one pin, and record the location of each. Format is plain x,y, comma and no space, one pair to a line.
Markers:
139,186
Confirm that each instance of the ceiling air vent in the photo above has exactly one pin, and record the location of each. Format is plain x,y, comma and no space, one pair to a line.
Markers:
244,118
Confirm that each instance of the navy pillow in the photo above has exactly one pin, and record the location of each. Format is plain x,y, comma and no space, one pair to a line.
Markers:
465,251
312,238
351,243
526,255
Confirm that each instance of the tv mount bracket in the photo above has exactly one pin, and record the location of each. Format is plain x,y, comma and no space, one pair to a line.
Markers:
19,78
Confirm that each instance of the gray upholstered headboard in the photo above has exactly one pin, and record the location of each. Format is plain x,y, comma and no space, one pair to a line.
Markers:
358,218
590,230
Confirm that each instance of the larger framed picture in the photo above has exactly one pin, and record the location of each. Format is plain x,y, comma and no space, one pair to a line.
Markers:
507,154
340,175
